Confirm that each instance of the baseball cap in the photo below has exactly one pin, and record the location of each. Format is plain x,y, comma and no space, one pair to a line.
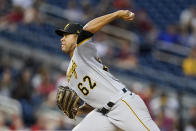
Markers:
71,28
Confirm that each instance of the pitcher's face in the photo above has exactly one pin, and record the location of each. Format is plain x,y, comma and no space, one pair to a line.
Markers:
68,42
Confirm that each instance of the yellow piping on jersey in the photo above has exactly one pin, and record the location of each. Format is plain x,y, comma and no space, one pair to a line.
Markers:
83,41
136,115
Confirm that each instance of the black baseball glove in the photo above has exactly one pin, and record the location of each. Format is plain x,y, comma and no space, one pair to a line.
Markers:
68,101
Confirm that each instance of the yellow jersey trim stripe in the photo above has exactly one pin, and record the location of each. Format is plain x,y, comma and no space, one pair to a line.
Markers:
136,115
83,41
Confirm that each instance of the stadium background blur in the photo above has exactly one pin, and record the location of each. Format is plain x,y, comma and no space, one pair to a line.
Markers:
155,56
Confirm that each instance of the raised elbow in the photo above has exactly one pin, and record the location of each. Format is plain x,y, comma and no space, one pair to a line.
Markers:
89,28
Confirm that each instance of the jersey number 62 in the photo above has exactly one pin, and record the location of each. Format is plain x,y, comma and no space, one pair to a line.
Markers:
84,89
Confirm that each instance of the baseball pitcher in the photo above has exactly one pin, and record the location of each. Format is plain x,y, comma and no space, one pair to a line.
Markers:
111,106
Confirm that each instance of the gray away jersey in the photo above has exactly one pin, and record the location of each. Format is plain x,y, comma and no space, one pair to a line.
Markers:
87,78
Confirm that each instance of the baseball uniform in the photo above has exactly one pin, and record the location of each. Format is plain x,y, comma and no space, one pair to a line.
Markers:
115,106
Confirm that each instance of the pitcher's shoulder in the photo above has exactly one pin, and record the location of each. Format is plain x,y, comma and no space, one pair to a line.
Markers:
83,37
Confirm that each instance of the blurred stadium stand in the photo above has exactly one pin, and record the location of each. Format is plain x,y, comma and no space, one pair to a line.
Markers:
164,12
148,60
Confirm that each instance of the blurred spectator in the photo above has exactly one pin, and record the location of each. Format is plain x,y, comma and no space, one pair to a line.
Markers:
169,104
186,39
126,58
73,12
37,79
32,14
103,7
189,64
164,122
39,124
11,19
10,106
191,40
45,86
50,103
64,124
23,89
10,114
5,6
170,36
3,126
23,3
192,111
188,19
52,119
6,83
32,64
143,22
137,88
192,125
89,10
23,11
47,120
101,44
192,121
62,80
123,4
151,36
148,94
24,92
17,123
188,26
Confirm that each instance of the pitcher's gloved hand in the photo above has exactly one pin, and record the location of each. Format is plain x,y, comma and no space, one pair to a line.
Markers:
68,101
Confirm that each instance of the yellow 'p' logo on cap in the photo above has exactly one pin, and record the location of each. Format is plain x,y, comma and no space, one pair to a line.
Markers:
66,26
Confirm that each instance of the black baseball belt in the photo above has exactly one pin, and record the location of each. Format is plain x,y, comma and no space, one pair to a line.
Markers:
109,105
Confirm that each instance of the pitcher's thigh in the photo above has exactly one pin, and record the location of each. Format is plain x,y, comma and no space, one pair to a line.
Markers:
131,114
95,121
138,115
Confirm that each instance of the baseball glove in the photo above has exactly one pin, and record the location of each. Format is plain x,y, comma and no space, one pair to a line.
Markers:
68,101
